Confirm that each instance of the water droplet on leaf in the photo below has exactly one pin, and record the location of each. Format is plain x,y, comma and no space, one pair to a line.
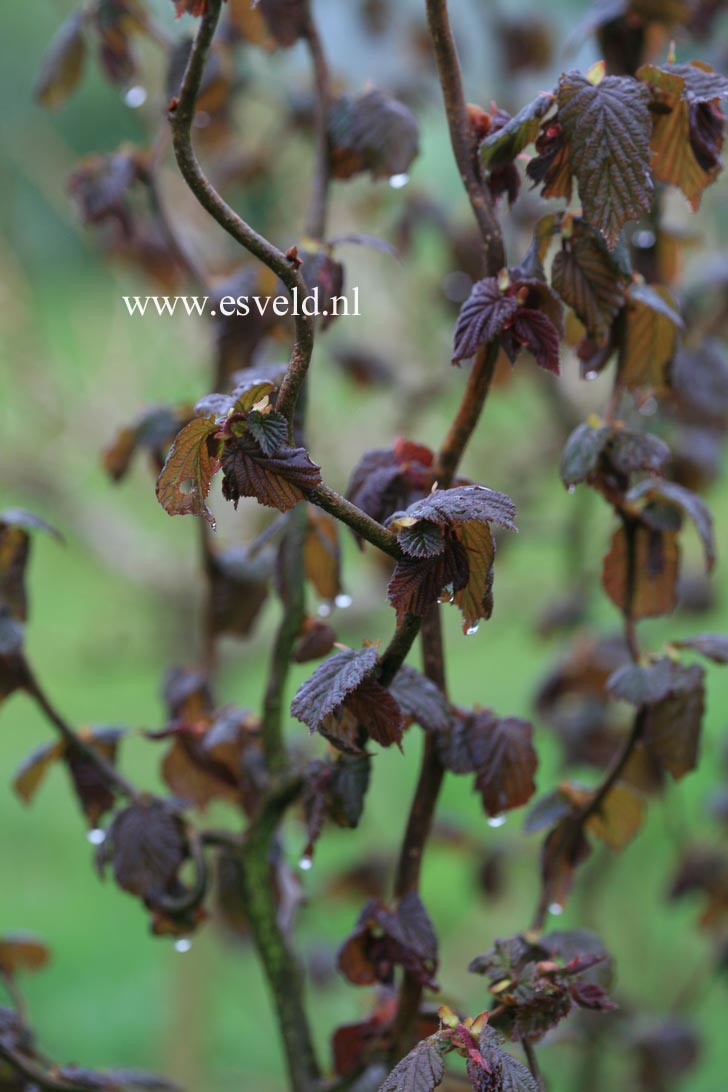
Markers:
472,630
399,181
590,376
306,863
96,837
496,821
135,97
182,945
571,489
324,610
556,908
343,601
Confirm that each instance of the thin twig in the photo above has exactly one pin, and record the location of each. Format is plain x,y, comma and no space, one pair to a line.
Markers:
282,968
76,743
432,773
16,998
461,136
319,203
530,1051
178,248
574,831
32,1071
181,116
348,513
293,603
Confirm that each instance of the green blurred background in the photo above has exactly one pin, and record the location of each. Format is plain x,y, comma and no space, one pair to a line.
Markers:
115,607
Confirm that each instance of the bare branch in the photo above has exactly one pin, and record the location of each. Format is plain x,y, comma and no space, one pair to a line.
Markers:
181,115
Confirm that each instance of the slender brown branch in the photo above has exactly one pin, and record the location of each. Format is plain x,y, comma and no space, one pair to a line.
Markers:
574,831
13,991
181,116
630,630
34,1072
530,1051
419,822
432,773
398,648
348,513
178,248
283,971
319,203
466,419
293,603
75,742
461,136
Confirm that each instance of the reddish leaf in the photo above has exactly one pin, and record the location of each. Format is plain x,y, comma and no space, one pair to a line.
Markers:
278,481
191,464
504,759
93,788
606,127
146,846
63,64
463,504
22,952
619,818
377,711
505,143
684,502
645,684
384,480
153,432
536,332
674,725
586,276
483,316
386,937
315,641
420,699
322,553
648,339
30,774
189,7
418,583
371,132
651,590
687,136
331,683
239,587
421,1070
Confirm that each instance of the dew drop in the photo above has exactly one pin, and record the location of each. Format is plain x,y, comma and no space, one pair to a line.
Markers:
182,945
496,821
399,181
472,630
97,836
556,908
591,376
343,601
571,489
306,863
135,97
644,239
324,610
